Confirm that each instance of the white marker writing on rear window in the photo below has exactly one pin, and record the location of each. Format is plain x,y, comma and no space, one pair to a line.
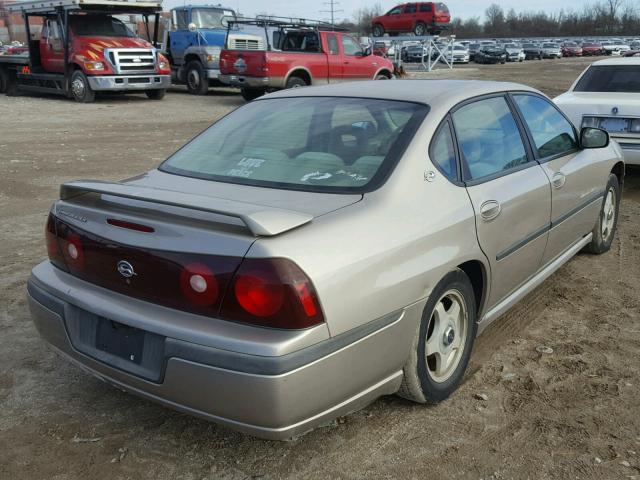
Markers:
315,176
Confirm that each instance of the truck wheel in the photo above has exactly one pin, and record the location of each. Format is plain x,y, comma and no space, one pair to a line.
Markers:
420,29
251,93
197,82
80,89
378,30
156,94
295,82
382,76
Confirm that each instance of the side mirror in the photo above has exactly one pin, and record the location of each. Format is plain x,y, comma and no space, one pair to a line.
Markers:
593,138
192,27
367,51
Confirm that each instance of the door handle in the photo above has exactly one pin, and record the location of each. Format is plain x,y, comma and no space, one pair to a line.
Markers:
490,210
558,180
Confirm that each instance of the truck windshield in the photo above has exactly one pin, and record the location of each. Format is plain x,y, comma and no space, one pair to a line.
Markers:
325,144
211,18
98,26
610,78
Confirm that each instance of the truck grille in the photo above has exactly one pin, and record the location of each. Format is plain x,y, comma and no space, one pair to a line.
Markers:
129,60
245,44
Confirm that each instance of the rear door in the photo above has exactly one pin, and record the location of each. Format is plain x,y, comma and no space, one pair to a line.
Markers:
577,186
509,191
52,47
331,46
409,17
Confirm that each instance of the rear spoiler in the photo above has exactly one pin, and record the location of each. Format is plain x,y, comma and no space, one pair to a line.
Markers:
260,220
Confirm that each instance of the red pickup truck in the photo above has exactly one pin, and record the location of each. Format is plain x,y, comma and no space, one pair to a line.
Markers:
298,55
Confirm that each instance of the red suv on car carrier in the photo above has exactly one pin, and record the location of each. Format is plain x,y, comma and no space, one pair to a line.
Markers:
420,18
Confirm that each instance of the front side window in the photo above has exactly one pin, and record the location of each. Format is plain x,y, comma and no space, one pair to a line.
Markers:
488,138
350,46
321,144
610,78
395,11
442,152
551,132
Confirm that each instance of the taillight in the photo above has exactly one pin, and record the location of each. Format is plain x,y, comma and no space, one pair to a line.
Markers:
273,293
53,247
198,284
73,250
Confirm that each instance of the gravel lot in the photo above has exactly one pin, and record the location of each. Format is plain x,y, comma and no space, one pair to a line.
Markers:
573,413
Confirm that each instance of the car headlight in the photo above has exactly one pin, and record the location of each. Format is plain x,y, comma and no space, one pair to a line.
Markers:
635,125
94,65
592,122
212,57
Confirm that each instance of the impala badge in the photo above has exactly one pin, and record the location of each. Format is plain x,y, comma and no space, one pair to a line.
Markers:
126,269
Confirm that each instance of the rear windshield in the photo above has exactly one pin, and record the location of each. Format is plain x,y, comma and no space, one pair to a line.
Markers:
442,8
610,78
98,26
323,144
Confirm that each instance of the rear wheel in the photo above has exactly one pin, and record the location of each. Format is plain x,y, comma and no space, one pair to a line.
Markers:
295,82
420,29
197,82
378,30
605,229
382,76
3,80
251,93
443,343
80,88
156,94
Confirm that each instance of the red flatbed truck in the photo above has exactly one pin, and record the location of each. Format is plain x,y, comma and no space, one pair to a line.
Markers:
84,48
299,53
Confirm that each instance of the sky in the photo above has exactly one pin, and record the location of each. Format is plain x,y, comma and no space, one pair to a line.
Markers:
312,9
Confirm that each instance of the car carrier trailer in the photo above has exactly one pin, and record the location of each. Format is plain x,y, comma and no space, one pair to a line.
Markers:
84,48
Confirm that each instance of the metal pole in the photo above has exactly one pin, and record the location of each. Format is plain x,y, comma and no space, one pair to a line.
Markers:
67,82
156,27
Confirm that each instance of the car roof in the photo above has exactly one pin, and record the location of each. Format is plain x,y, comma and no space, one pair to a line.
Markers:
618,61
435,93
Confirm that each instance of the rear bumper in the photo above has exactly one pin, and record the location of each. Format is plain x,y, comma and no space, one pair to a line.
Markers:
129,82
242,81
274,397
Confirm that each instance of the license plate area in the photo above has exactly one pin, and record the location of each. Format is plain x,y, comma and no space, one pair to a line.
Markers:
120,340
615,124
115,344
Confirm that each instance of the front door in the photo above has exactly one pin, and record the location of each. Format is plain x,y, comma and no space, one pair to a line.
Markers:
334,59
356,66
409,17
575,196
393,20
509,191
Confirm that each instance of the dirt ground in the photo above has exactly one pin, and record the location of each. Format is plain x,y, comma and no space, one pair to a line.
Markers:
573,413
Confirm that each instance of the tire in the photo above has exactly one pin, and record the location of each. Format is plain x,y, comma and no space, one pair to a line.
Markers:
156,94
382,76
4,80
421,382
251,93
196,78
378,30
295,82
80,88
420,29
605,229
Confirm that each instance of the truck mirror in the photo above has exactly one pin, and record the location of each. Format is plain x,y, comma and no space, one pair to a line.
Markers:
192,27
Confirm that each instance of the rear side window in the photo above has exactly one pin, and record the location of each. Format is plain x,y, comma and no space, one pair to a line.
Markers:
442,152
610,78
552,133
332,41
410,8
488,137
321,144
425,7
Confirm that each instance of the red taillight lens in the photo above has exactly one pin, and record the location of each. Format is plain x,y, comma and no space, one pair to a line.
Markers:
130,225
272,292
73,250
53,247
199,284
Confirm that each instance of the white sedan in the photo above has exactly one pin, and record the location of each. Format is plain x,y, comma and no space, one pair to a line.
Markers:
607,96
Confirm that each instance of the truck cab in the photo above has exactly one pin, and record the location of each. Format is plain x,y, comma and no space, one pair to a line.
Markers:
86,48
193,45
